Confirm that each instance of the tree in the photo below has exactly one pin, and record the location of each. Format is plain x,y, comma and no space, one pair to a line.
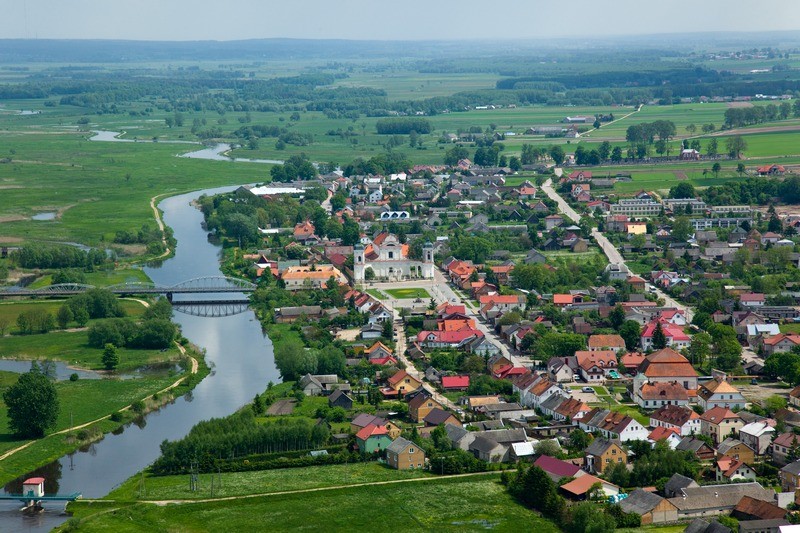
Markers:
713,147
691,128
630,331
681,229
64,316
547,447
587,517
740,168
659,338
682,190
616,317
729,353
700,348
735,146
715,168
110,357
241,227
258,405
388,329
616,154
32,404
454,155
604,150
557,154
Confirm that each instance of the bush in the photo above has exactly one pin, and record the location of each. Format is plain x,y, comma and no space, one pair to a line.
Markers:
138,406
117,416
74,377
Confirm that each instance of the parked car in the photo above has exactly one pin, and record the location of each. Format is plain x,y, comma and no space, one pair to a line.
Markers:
587,389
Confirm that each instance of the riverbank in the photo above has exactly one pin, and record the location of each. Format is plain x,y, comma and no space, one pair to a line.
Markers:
91,409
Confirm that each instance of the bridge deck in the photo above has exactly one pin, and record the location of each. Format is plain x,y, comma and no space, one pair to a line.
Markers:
52,498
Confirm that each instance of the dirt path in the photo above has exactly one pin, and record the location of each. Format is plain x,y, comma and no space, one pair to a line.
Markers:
195,367
613,121
681,175
300,491
160,222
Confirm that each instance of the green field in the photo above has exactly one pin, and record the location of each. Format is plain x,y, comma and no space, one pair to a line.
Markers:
263,481
72,348
101,278
408,293
474,503
10,310
81,401
376,293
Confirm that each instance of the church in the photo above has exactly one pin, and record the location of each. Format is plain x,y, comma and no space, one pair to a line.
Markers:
388,260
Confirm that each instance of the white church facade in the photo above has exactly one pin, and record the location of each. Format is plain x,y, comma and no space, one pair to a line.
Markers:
388,259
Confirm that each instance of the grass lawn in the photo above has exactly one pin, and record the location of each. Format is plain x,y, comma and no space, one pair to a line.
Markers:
408,293
10,310
463,504
261,481
633,412
81,401
72,347
101,278
376,293
790,328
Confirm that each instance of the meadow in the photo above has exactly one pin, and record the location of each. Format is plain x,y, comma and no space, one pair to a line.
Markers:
261,481
408,293
10,310
471,503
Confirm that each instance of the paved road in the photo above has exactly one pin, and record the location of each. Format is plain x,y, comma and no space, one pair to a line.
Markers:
611,252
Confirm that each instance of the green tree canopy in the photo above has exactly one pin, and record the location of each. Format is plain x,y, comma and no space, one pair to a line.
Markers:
32,404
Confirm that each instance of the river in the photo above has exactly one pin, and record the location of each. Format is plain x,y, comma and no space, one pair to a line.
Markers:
239,354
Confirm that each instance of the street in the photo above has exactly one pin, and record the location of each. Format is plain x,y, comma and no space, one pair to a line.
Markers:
610,251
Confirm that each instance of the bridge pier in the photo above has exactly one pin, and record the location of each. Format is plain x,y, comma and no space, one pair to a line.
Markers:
169,297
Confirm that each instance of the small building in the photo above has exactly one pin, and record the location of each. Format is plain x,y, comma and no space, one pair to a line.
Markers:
730,470
790,477
735,449
556,469
33,487
711,500
697,447
437,417
339,398
676,483
455,383
403,454
783,445
651,507
579,488
757,436
601,454
719,422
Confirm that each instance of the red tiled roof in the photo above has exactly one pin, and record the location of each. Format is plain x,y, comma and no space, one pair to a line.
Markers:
662,433
717,414
455,382
500,299
663,391
775,339
671,331
606,341
372,431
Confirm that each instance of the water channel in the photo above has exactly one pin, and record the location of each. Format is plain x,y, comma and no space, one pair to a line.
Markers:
237,350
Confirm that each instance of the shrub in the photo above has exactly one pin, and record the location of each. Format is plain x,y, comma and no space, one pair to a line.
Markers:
74,377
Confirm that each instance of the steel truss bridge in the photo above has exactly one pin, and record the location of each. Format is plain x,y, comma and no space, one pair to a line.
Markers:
209,294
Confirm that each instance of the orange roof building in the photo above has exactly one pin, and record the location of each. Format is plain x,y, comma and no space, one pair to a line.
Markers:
311,277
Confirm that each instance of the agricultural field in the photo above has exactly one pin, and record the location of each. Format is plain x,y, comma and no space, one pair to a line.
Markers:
473,503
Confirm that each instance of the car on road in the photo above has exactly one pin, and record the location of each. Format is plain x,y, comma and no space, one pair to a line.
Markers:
587,389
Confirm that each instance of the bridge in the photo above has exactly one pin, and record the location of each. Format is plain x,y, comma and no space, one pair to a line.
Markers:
208,285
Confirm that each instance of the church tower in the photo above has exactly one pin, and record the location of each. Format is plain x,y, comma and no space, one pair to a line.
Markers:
427,257
358,262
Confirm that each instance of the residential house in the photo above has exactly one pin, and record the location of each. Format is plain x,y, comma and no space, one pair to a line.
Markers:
735,449
794,396
437,417
784,446
613,425
593,367
783,342
631,362
697,447
571,409
758,436
304,232
535,256
459,438
371,331
729,469
711,500
682,419
720,422
669,435
553,221
402,383
420,405
488,450
314,385
455,383
719,393
378,351
675,336
373,438
661,393
403,454
311,277
364,419
752,300
601,454
562,369
790,477
606,342
652,508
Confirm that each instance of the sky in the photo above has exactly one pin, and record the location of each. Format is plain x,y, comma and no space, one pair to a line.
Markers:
184,20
